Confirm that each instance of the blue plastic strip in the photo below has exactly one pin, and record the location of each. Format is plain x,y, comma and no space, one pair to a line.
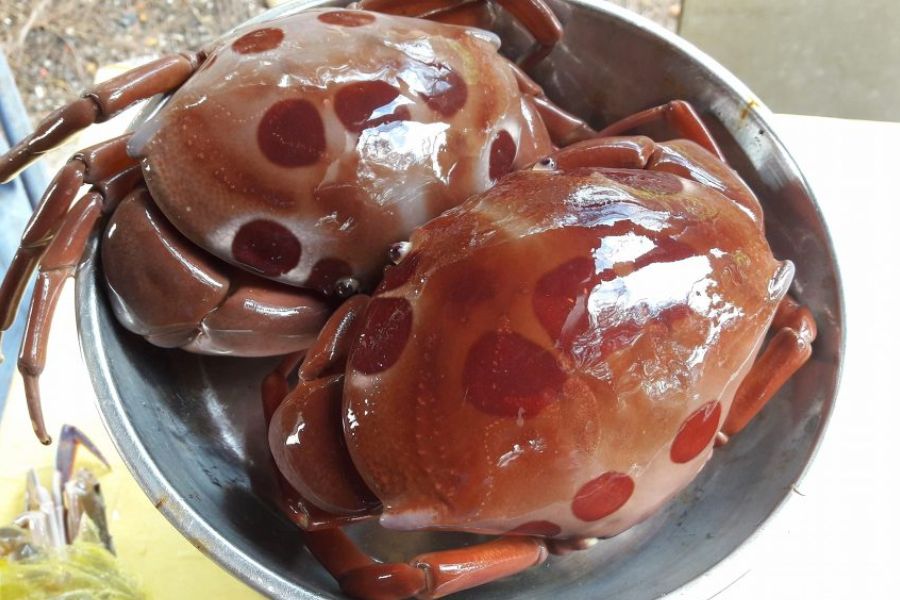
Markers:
16,125
17,199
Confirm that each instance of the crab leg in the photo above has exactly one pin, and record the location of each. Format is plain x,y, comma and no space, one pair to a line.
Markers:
611,152
92,165
678,114
329,351
70,439
783,356
275,386
57,265
430,575
534,15
564,128
537,18
541,22
55,238
96,105
44,228
41,228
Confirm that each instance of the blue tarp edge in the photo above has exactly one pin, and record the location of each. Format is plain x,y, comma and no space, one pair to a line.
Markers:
17,199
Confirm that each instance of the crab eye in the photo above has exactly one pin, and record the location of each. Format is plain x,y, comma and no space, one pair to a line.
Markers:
545,164
346,287
397,252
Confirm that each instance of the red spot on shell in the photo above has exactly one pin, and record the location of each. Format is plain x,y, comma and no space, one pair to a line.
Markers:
556,296
267,247
510,376
538,528
386,328
696,432
347,18
355,103
326,272
650,181
446,92
503,154
291,133
602,496
397,275
260,40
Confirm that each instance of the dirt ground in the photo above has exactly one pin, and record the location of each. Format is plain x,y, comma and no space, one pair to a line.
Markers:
55,47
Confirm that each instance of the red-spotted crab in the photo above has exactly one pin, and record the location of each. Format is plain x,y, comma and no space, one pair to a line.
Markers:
551,362
292,155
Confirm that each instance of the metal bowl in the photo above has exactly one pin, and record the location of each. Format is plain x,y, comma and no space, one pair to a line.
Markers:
191,428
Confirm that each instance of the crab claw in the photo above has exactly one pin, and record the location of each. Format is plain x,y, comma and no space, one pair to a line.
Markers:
70,437
81,494
84,498
306,440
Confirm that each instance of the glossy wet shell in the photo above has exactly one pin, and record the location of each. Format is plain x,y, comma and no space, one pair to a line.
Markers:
555,356
305,146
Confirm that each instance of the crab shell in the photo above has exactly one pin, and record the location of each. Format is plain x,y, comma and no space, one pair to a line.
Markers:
304,146
555,356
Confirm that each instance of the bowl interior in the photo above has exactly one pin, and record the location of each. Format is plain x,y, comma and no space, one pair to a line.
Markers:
191,427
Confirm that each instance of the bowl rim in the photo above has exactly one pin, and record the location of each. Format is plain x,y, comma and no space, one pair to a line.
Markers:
189,523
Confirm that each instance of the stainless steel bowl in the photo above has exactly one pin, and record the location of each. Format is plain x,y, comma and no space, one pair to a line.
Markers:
190,427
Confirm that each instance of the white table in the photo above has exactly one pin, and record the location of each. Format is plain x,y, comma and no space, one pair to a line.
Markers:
839,538
834,541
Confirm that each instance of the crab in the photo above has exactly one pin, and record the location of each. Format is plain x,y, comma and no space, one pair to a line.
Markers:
561,342
549,362
290,155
